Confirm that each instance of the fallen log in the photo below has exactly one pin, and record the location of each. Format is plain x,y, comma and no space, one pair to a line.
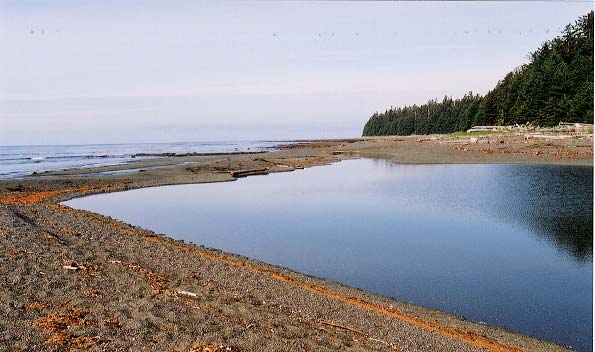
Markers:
249,172
344,152
546,136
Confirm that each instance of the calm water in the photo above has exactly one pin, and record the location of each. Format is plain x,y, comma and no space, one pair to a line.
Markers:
20,161
509,245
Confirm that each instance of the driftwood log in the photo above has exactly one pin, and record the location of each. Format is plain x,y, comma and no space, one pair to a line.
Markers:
249,172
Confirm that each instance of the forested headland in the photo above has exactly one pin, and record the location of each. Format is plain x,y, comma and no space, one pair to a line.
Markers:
555,85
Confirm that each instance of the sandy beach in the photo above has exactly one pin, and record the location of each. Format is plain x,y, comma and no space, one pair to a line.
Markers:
75,280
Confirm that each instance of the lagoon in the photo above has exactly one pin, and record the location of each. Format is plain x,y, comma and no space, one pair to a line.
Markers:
508,245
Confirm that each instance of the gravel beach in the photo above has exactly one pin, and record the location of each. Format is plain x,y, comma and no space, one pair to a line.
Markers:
75,280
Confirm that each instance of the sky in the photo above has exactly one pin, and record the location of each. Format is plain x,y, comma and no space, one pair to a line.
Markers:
80,71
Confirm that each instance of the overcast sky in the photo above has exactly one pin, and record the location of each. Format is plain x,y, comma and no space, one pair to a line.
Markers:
106,72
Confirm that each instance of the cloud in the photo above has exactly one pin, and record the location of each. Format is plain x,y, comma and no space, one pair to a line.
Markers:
119,69
6,117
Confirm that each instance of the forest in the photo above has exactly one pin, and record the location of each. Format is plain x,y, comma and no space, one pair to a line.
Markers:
555,85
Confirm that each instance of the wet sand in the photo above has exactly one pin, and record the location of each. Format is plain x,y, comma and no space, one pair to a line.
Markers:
73,279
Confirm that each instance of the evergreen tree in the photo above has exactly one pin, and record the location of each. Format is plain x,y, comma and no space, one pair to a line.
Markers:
556,85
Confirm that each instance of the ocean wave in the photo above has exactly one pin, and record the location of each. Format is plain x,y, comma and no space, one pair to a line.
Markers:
64,157
21,161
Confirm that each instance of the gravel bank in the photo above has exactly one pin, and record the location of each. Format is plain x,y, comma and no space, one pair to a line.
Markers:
76,280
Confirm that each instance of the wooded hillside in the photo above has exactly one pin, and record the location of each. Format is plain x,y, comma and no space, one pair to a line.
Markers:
556,85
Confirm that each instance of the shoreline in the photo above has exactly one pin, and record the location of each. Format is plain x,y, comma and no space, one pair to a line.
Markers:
90,262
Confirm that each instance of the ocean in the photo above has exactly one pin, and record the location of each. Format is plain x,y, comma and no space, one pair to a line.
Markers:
23,161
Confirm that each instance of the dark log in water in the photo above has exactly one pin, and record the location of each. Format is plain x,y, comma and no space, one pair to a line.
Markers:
244,173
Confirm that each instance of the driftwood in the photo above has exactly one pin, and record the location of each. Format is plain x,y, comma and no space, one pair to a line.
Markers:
249,172
365,334
341,326
187,293
545,136
344,152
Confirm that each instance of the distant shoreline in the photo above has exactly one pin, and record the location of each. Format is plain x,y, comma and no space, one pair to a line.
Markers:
24,161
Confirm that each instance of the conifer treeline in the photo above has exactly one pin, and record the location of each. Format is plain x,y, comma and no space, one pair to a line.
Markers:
556,85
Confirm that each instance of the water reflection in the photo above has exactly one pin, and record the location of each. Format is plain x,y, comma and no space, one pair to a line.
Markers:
556,202
553,201
509,245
